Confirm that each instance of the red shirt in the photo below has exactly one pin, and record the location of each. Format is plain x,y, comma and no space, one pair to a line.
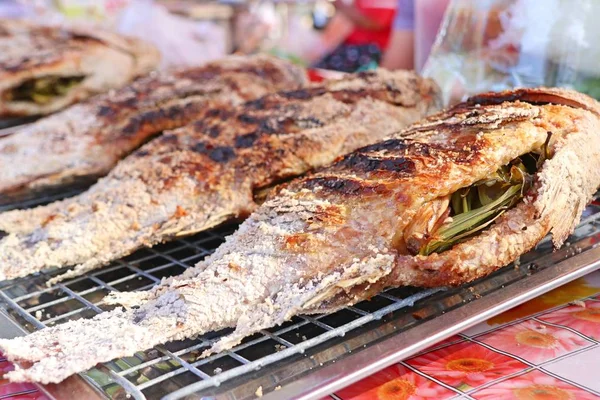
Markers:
382,11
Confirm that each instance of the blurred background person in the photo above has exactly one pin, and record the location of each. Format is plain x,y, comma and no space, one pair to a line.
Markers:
358,34
415,28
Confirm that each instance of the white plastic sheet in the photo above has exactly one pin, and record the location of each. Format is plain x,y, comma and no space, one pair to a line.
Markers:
501,44
181,41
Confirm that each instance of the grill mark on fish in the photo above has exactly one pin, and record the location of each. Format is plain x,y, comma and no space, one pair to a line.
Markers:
169,138
367,163
399,157
220,154
221,113
303,94
169,117
345,186
266,71
106,111
246,140
387,145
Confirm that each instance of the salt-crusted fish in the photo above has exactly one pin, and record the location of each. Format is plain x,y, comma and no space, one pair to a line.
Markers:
369,221
86,140
211,171
45,68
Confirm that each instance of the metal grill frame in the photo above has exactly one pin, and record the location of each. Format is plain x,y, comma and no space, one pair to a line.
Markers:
8,127
394,325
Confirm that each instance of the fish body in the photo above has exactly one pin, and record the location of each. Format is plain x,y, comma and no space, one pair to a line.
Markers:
330,239
45,68
210,171
86,140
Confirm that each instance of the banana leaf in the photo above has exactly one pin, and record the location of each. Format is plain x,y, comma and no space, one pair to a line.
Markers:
470,222
42,90
474,208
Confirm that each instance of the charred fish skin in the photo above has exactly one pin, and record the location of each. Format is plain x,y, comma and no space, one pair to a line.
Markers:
206,173
86,140
327,240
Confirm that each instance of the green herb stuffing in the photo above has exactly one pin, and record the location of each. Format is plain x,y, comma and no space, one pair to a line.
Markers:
43,90
477,206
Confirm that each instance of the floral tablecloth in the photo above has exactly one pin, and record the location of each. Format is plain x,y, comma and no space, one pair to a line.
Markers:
546,349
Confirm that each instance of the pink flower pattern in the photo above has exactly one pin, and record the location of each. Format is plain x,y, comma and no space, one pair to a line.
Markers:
583,319
534,385
466,365
395,383
8,388
535,342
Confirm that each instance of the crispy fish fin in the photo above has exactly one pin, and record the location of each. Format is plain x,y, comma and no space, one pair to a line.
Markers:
127,299
51,355
294,301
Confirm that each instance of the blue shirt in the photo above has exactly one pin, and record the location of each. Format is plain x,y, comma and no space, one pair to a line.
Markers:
405,16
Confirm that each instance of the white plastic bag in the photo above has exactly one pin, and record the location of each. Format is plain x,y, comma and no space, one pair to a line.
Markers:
181,41
501,44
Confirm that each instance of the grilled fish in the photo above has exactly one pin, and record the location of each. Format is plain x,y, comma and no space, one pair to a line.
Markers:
88,139
331,239
206,173
46,68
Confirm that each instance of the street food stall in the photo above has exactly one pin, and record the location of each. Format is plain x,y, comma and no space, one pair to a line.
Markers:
248,225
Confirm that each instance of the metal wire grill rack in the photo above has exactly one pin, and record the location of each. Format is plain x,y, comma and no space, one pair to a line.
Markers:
9,126
26,200
268,359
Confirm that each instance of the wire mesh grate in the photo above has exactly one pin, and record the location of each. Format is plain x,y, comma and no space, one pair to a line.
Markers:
272,357
12,125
